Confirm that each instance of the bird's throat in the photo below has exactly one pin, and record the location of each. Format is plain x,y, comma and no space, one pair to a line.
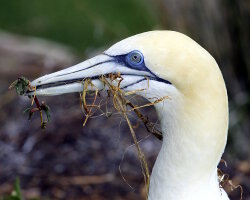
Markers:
193,142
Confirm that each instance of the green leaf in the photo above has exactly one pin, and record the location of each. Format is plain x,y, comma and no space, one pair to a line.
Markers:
43,126
46,109
21,85
16,193
18,189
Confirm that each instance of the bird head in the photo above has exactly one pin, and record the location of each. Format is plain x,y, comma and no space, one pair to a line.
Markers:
156,64
159,64
162,63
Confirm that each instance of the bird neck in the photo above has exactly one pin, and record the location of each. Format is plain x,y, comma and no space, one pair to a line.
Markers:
194,138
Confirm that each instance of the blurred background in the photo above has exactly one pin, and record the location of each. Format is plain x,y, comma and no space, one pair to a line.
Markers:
68,161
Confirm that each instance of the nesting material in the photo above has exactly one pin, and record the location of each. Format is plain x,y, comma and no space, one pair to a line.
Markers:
226,183
22,86
119,101
112,83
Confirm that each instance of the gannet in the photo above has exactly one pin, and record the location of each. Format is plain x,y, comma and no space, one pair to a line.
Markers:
194,119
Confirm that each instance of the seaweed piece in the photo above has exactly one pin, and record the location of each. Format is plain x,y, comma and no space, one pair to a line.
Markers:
22,85
46,109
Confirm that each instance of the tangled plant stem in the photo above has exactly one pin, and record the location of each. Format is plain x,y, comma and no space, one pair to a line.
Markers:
22,86
120,103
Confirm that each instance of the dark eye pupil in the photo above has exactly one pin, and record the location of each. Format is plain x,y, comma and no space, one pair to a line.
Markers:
136,58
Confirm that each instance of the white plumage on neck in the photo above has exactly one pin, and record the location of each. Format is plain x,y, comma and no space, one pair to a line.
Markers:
184,170
193,142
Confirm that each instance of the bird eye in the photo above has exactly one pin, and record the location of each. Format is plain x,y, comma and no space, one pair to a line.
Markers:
134,58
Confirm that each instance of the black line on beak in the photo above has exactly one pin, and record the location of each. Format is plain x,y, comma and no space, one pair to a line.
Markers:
60,83
144,79
79,80
107,61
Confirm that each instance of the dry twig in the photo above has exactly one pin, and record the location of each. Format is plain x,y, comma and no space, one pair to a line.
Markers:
224,180
120,103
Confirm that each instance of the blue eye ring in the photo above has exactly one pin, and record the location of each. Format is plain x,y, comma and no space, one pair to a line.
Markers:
135,58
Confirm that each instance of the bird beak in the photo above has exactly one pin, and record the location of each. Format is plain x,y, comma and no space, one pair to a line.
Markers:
72,79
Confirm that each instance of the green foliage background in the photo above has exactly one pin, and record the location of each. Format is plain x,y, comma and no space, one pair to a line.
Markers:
77,23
